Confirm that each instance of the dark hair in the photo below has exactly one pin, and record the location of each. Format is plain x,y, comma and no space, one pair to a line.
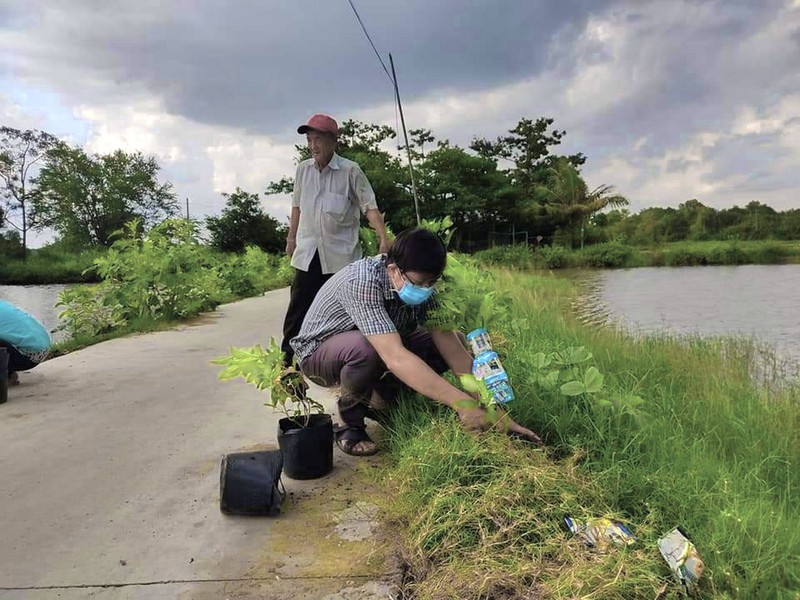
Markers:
419,250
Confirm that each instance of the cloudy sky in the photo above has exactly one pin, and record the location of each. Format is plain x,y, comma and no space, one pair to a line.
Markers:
669,99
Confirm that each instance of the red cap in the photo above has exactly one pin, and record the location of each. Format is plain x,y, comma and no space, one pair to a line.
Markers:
320,122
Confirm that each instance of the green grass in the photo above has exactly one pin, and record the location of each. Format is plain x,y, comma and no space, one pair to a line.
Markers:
616,255
49,265
708,450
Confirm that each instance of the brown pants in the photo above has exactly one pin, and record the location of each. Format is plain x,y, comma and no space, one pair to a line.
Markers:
349,360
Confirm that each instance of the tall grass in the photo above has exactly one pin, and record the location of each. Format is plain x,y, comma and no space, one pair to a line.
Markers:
49,265
707,450
616,255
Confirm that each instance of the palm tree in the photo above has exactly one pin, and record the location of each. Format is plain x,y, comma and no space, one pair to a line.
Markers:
567,198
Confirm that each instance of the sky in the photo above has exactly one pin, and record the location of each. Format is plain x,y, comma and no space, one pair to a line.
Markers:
670,100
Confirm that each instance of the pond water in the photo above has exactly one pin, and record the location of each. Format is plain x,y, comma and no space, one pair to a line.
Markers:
39,301
757,301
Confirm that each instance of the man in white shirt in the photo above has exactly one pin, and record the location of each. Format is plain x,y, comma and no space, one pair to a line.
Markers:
330,195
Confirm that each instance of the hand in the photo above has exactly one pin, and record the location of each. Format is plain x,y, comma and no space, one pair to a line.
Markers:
473,418
511,426
383,245
291,245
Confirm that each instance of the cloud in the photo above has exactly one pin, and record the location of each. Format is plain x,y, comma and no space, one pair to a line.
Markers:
669,100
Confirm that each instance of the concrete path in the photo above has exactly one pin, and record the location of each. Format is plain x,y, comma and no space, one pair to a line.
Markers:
109,479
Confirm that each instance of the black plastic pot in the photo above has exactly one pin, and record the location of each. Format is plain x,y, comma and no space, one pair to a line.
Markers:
307,451
3,375
248,483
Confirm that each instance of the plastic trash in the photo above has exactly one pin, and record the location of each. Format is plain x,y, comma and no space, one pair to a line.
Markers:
600,531
683,559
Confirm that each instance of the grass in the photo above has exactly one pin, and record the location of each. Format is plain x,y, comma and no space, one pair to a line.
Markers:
49,265
617,255
708,450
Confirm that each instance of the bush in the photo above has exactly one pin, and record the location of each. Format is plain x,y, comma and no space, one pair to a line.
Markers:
612,255
518,256
553,257
167,275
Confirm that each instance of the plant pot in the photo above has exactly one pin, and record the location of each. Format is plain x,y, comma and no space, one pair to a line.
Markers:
248,483
307,451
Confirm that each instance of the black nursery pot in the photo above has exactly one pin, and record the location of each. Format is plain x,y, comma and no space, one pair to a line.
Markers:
307,451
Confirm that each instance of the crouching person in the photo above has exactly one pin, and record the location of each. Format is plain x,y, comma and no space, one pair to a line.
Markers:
367,320
24,338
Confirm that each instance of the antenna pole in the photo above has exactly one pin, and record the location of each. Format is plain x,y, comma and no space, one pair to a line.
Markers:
405,136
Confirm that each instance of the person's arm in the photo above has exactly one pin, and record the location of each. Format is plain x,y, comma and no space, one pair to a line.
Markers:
291,237
364,196
375,219
416,374
460,362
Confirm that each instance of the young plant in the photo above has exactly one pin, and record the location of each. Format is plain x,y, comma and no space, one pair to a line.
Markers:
265,370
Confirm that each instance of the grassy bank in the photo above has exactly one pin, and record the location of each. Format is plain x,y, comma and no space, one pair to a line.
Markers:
613,255
678,435
49,265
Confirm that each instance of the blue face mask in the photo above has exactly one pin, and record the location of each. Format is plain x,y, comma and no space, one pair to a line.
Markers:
414,294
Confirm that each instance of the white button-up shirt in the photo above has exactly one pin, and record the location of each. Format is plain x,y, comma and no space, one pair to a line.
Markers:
330,203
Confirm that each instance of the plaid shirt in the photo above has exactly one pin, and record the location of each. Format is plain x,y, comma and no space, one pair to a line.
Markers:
361,297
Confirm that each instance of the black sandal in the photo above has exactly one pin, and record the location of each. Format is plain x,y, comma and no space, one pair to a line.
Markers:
347,438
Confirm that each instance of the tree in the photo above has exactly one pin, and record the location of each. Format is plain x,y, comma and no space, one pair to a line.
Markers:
20,152
528,147
242,223
567,197
466,187
88,198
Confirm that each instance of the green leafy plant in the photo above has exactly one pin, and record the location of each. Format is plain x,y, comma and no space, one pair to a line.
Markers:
473,385
564,370
264,369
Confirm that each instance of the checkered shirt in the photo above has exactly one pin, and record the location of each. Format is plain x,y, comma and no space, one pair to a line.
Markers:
361,297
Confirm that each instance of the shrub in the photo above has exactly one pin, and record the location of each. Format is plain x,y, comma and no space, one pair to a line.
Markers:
607,255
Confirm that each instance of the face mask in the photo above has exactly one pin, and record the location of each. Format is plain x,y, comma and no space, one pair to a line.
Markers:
413,294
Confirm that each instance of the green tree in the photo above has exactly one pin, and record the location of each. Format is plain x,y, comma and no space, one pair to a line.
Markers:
466,187
88,198
243,223
21,152
568,199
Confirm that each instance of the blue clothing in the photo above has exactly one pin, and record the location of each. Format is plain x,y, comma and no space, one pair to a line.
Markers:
21,330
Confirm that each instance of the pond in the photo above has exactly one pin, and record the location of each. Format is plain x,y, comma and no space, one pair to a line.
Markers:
757,301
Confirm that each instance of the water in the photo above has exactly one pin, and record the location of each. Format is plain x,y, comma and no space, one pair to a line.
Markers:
39,301
757,301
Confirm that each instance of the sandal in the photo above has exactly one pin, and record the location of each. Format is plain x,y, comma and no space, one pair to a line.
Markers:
348,438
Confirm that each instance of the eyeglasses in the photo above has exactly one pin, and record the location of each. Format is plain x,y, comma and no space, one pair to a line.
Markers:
428,284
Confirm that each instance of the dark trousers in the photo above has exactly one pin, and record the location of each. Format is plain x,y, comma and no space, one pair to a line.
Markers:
305,286
16,360
349,360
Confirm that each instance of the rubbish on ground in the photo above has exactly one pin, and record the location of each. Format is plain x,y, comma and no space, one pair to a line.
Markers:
599,531
683,559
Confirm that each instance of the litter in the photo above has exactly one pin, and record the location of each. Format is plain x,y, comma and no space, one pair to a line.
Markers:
598,531
683,559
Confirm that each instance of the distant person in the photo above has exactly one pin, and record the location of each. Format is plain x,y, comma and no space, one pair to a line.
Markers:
368,319
24,338
330,194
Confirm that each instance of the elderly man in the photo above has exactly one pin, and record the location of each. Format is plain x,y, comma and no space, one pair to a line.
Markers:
330,194
369,319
